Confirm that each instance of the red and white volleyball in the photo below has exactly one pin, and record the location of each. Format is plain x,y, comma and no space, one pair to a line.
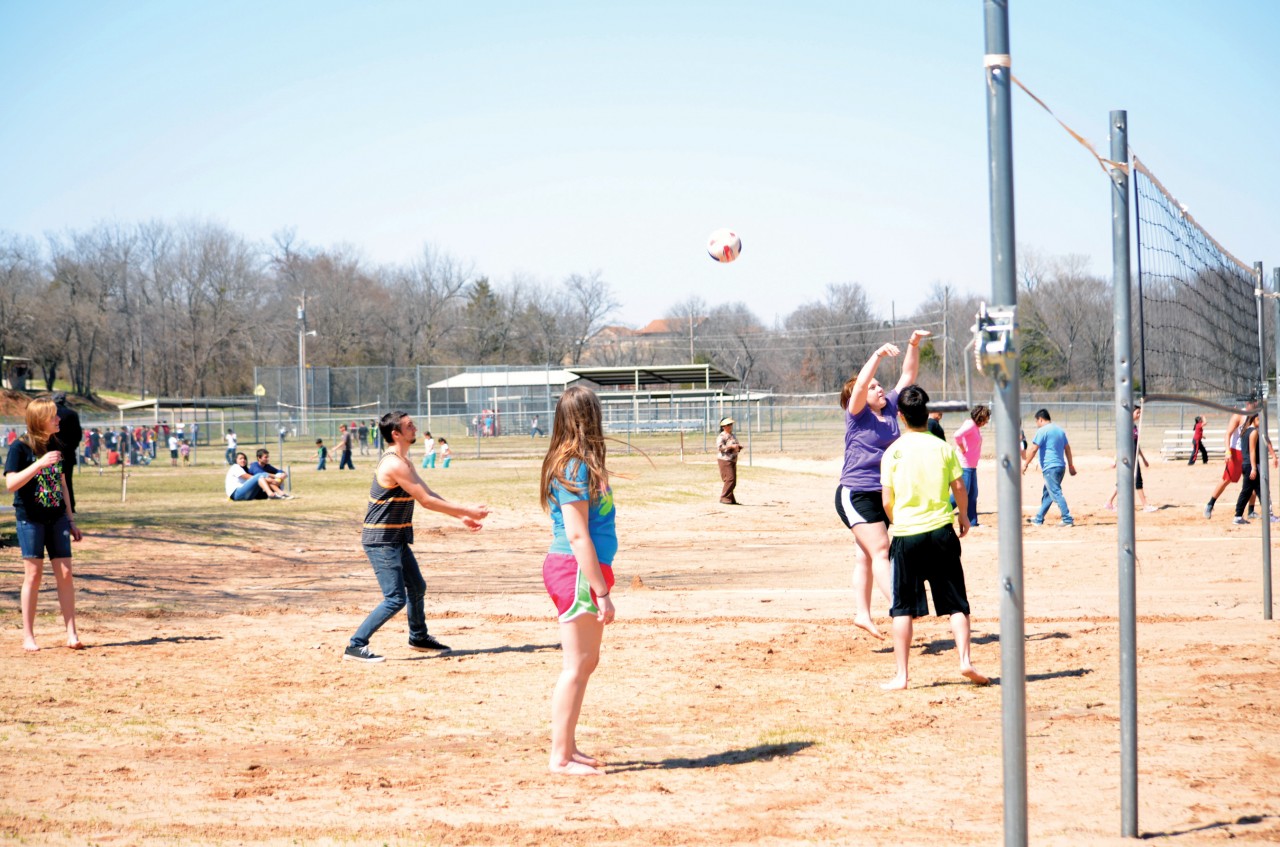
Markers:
724,245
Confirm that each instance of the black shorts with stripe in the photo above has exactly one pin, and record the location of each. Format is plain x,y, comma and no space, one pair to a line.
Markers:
855,507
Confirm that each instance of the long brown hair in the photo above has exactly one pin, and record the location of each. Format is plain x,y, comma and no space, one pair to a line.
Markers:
39,412
576,434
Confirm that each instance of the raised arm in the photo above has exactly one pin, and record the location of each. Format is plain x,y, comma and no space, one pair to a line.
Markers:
911,362
858,399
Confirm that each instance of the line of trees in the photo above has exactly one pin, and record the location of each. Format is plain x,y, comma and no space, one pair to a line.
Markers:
190,308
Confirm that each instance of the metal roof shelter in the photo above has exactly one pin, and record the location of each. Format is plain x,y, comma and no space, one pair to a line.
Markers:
650,375
502,379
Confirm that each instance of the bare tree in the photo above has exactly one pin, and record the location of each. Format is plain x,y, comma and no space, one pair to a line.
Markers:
22,277
690,313
828,338
591,302
428,296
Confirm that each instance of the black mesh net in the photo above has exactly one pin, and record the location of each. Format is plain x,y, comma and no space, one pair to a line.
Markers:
1198,311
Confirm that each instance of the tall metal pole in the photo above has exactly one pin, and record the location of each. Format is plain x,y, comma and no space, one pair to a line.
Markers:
1006,414
1126,455
1266,574
1263,466
302,362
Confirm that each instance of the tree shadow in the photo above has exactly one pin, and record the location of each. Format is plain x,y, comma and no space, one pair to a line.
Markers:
488,651
154,640
759,753
1243,820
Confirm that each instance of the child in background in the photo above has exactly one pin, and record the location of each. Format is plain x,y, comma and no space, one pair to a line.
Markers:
578,570
428,451
322,454
916,473
184,450
445,453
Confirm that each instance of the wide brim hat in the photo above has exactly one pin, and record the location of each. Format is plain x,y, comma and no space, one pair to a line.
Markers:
726,422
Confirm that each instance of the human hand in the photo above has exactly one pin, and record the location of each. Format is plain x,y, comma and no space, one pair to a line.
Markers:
478,513
919,335
1072,470
49,459
607,611
76,534
472,524
889,350
964,525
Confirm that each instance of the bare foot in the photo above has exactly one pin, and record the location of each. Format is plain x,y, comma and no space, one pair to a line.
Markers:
572,768
30,646
868,625
973,676
583,758
75,645
898,683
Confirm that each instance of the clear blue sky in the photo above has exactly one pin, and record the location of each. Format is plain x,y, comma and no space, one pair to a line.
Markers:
845,141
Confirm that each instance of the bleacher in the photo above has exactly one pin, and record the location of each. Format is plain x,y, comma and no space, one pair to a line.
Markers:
1176,446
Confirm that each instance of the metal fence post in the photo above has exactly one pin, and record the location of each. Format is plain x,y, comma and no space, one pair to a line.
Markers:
1263,466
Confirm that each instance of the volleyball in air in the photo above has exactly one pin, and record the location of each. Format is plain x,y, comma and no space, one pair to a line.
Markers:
724,245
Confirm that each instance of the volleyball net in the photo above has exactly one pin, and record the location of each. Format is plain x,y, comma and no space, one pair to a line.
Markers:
1198,330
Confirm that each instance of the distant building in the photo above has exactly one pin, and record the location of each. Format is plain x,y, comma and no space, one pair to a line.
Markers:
17,371
665,340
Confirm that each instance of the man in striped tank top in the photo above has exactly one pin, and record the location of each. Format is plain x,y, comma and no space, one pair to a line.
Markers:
388,532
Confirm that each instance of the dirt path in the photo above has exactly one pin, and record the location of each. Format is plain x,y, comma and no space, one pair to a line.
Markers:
734,704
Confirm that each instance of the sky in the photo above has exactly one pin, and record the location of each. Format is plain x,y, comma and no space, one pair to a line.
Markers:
843,141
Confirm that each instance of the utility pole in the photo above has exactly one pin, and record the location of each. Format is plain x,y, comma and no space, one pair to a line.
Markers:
302,361
946,336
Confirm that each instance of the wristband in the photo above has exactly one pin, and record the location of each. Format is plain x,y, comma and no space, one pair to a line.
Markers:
602,596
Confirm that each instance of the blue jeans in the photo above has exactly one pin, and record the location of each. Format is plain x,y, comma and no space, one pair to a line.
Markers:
402,585
231,455
320,466
1053,494
249,489
345,461
969,476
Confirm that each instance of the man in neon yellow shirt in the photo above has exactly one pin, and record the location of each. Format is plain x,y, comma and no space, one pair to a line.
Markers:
918,475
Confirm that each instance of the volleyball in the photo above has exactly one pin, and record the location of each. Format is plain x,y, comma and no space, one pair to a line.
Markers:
724,245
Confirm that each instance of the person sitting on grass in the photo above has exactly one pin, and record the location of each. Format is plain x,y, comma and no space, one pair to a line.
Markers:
242,485
917,474
263,465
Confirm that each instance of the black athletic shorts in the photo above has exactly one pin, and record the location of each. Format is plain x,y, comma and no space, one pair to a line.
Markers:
855,507
932,557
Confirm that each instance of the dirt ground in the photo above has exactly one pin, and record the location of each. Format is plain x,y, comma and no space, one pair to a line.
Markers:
734,704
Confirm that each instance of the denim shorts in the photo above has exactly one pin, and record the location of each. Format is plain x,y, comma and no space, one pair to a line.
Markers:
35,538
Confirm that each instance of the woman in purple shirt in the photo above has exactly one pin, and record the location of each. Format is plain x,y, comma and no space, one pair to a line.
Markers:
870,425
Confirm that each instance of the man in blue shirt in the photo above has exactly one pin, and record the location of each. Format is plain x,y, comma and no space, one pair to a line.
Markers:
1055,460
263,465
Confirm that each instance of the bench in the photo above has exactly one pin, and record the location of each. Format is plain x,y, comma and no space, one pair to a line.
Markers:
669,425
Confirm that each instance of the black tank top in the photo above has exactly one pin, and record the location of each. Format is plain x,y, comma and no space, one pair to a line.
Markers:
389,519
1248,454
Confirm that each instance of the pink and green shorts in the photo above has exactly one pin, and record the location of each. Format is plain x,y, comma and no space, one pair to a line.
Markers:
569,588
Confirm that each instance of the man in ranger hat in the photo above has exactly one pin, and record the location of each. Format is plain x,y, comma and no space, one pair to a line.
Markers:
727,450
